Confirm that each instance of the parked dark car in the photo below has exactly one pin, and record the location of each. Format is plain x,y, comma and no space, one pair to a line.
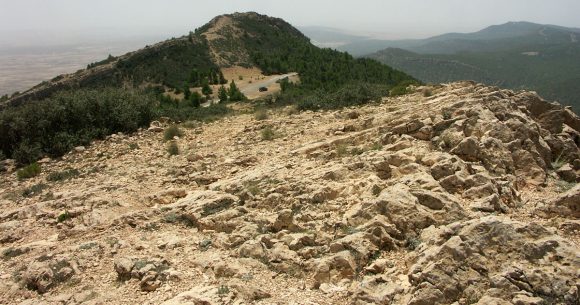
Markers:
263,89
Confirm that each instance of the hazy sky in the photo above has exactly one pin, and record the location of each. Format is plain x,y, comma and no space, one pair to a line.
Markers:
53,21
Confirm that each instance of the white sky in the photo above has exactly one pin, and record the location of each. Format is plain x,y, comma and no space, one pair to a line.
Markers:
38,22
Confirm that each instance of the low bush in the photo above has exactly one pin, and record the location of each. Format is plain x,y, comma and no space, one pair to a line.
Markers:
183,112
346,96
64,216
261,114
171,132
268,133
55,125
29,171
34,190
63,175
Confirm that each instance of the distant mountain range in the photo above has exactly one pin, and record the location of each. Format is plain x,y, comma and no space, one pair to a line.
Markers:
491,39
517,55
328,37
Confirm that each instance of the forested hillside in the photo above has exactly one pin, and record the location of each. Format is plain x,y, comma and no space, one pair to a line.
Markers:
554,72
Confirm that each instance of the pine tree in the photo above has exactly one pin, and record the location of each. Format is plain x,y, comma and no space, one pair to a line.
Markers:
223,94
223,80
235,94
206,89
195,99
214,78
194,78
233,88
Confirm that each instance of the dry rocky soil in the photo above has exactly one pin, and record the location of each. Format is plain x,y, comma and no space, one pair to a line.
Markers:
455,194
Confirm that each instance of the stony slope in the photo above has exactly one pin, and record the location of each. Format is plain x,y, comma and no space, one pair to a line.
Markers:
467,196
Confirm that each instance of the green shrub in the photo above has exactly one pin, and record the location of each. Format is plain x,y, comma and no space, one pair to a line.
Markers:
173,148
186,112
29,171
224,289
357,151
563,186
346,96
191,124
398,90
133,146
34,190
2,166
376,146
412,243
341,150
171,132
268,133
63,175
67,119
376,190
26,153
402,88
64,216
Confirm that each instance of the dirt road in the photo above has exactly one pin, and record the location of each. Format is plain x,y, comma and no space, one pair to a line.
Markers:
252,90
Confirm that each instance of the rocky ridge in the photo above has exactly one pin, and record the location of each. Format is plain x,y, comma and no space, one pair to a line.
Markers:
456,194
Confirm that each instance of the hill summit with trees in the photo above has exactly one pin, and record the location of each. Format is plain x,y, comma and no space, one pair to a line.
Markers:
153,76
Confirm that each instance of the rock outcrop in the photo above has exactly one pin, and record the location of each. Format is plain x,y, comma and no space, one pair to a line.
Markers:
468,196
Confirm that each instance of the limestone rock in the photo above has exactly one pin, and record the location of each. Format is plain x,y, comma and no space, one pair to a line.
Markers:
567,173
525,247
336,268
566,205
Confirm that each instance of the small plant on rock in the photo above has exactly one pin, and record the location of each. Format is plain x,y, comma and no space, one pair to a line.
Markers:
376,146
173,148
205,244
559,162
412,243
376,190
133,146
564,186
223,290
341,150
64,216
447,114
34,190
357,151
171,132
